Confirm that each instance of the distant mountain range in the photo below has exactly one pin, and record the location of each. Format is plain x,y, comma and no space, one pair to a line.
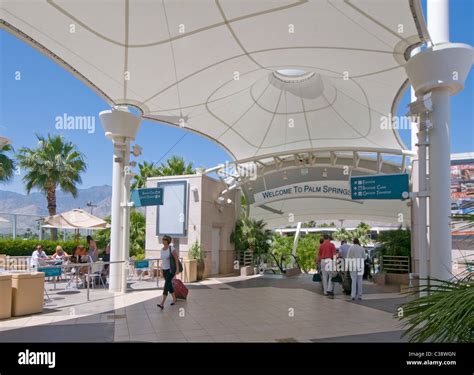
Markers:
35,204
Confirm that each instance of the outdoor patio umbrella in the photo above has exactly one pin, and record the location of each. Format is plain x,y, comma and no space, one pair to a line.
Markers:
75,219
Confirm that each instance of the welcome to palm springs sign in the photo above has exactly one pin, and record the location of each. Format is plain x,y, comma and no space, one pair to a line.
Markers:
318,189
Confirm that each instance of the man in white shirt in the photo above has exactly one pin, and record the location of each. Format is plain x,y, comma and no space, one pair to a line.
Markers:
355,263
37,255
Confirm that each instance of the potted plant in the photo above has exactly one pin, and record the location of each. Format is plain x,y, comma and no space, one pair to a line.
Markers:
195,253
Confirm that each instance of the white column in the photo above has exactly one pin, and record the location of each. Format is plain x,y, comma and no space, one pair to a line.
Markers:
440,183
297,237
115,274
126,216
121,127
438,20
415,209
440,155
424,249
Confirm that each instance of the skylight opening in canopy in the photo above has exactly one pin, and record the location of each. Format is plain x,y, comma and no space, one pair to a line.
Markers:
292,75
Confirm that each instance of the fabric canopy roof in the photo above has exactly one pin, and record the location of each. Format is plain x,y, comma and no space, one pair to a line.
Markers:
212,66
75,219
263,79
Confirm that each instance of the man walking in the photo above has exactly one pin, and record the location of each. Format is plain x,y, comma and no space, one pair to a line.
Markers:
327,252
355,259
343,249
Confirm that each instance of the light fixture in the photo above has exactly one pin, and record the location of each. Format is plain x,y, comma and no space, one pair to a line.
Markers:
285,177
325,173
304,171
137,150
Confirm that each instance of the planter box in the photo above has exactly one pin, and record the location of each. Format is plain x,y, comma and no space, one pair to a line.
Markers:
190,270
27,293
246,271
5,296
292,272
380,278
397,278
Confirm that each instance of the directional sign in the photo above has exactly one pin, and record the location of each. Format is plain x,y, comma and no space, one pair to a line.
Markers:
385,186
147,197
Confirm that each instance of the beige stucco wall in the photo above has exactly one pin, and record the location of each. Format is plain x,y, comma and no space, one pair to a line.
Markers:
203,214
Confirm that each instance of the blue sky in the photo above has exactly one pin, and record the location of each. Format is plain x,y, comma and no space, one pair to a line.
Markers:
30,106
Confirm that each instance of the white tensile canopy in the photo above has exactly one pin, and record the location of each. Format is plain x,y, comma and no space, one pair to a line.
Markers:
264,79
75,219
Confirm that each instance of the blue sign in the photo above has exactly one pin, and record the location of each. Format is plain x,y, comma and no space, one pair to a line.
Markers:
385,186
147,197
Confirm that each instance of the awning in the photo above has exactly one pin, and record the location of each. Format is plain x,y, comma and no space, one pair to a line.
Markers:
257,77
269,81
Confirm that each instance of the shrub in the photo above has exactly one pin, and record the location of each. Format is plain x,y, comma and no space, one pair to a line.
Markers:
395,242
195,252
307,249
26,247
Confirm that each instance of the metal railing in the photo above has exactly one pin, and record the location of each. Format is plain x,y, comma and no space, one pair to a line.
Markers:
245,258
395,263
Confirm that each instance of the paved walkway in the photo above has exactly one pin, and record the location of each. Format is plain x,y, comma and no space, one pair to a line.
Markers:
251,309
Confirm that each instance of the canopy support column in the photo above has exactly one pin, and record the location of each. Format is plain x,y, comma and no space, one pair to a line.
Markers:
436,73
121,127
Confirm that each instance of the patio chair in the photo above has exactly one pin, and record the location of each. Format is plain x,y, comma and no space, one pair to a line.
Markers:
95,273
142,266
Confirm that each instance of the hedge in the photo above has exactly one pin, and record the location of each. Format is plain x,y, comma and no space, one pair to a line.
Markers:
26,247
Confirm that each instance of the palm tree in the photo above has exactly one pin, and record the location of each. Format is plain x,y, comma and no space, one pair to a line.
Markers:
176,165
444,314
146,170
7,165
53,163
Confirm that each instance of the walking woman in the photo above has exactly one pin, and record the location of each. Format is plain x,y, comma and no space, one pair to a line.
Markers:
169,260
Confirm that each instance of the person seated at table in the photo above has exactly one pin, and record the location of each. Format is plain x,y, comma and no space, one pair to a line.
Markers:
84,255
38,256
60,254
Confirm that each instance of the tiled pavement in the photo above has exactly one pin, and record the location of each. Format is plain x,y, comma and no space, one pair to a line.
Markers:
255,309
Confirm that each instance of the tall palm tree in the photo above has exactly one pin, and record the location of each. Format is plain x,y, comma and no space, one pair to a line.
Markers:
146,170
53,163
176,165
7,165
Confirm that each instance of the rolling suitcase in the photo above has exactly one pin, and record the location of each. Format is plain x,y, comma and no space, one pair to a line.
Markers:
346,282
180,289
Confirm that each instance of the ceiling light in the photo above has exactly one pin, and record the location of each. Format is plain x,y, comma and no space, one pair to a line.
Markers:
325,173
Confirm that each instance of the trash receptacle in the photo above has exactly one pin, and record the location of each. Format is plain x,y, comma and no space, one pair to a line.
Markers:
27,293
5,296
